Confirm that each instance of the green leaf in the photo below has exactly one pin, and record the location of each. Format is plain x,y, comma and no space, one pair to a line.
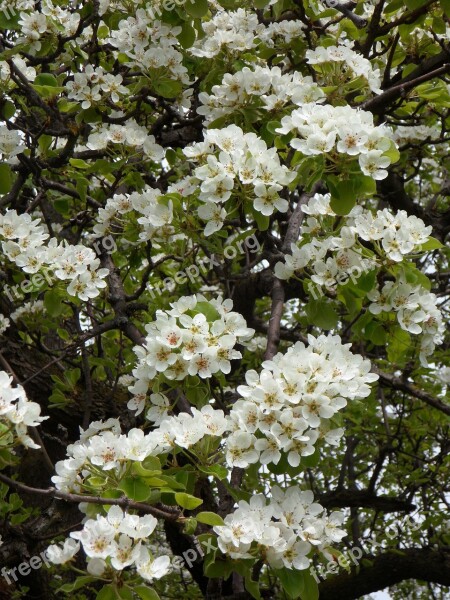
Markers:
215,470
8,109
167,482
366,281
187,35
252,586
393,154
298,584
196,8
398,344
141,471
207,309
9,19
321,313
167,88
46,79
79,163
310,590
135,488
209,518
219,123
48,91
189,526
77,584
5,178
146,593
438,25
291,580
431,244
343,195
375,333
413,275
218,568
262,221
45,141
272,126
187,501
125,593
261,3
88,115
445,5
152,463
311,461
413,4
52,303
108,592
62,205
73,376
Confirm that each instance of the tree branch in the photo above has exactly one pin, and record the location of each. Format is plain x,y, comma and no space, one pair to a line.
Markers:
386,570
123,502
412,390
363,499
378,104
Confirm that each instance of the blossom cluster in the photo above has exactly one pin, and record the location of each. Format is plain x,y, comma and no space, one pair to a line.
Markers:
25,247
51,19
92,84
20,65
103,446
28,308
415,133
155,214
243,160
11,144
359,65
234,30
400,234
416,310
4,323
287,406
311,257
195,337
239,30
325,259
395,235
131,134
327,129
270,85
185,430
117,541
288,528
149,44
34,307
16,410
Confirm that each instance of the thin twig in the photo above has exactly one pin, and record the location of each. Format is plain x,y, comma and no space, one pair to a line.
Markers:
123,502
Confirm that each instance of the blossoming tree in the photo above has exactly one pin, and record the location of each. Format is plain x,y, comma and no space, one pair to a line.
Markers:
224,296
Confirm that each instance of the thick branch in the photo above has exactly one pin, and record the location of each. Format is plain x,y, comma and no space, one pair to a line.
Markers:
363,499
412,390
386,570
378,104
273,333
